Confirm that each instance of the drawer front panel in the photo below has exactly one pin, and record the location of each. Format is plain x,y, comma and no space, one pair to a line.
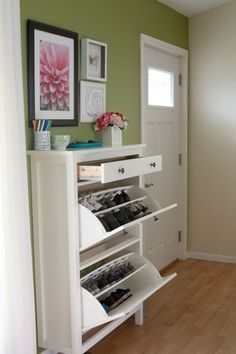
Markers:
114,171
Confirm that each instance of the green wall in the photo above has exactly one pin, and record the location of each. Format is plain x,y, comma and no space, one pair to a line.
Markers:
118,24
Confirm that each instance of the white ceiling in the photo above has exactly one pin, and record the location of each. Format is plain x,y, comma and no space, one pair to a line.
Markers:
192,7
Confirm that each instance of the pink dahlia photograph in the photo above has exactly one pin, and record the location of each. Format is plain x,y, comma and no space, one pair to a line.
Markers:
54,77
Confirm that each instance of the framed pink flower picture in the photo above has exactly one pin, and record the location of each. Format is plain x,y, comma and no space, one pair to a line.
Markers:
52,74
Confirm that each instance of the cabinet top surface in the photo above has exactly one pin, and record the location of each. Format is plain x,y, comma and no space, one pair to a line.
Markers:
81,154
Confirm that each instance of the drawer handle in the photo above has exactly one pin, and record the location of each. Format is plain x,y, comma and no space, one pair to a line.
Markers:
148,185
121,170
156,218
153,164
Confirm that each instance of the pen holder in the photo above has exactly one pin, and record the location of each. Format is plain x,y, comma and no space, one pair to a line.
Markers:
42,140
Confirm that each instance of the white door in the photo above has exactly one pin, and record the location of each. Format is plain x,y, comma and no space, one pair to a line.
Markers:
161,132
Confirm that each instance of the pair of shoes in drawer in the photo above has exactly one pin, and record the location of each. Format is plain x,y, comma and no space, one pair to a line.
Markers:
109,201
120,272
121,198
108,278
121,216
131,212
139,210
128,213
124,293
115,219
103,283
106,201
91,204
109,221
115,299
128,269
104,223
124,270
92,287
95,287
116,275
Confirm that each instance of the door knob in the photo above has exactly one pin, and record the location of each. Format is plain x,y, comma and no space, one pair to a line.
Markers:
153,164
148,185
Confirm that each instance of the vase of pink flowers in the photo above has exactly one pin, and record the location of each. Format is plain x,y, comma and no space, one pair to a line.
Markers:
111,124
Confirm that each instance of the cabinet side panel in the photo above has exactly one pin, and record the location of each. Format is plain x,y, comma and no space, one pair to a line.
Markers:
51,253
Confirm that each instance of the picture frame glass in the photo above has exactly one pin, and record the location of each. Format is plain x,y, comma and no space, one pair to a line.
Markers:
52,74
95,60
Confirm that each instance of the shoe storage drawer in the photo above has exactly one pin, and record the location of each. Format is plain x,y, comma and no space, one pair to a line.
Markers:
142,283
114,171
91,225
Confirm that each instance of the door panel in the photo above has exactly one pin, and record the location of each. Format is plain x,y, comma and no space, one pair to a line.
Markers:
161,134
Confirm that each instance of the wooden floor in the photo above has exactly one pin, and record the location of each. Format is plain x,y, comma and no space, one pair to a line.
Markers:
194,314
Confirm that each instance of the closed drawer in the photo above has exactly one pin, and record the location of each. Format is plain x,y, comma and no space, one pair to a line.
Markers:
114,171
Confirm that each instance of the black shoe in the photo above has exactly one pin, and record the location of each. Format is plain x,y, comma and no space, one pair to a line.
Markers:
109,301
104,223
129,213
121,216
103,283
125,196
116,275
111,279
111,220
123,271
124,293
141,206
134,209
119,199
130,267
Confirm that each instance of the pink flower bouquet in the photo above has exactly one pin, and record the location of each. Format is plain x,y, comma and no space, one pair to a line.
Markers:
111,119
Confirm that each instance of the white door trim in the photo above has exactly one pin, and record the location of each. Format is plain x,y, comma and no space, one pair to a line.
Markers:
146,40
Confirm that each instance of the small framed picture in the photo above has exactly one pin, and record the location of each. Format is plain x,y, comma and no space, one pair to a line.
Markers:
52,74
93,60
92,101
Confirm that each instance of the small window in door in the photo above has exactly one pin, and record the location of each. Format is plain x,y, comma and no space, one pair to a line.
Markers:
160,88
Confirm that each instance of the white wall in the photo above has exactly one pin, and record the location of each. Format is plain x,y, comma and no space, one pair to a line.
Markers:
212,156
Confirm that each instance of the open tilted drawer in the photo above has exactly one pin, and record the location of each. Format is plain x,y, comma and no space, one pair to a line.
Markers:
91,226
117,170
142,282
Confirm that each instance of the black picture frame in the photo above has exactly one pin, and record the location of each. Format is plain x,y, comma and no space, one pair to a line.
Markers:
52,74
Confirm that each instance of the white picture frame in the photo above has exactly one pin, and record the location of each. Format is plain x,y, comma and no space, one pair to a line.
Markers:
93,60
92,101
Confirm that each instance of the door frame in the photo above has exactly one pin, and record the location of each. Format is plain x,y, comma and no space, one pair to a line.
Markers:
171,49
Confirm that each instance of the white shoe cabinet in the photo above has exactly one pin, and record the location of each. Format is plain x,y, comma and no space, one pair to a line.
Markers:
72,247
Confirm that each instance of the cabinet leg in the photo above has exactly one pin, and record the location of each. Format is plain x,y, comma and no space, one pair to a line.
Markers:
139,316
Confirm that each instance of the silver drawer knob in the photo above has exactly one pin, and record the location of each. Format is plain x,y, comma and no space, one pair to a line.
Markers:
153,164
121,170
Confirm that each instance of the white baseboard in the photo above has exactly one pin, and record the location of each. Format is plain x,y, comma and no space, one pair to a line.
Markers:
48,352
211,257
